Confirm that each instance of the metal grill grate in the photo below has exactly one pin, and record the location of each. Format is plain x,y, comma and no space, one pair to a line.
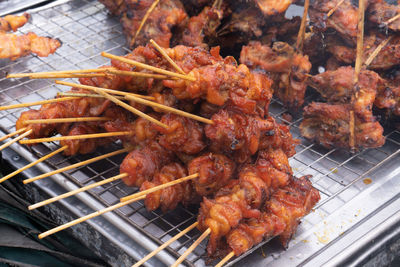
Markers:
85,30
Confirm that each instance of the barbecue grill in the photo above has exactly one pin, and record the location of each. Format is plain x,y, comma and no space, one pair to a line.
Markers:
360,192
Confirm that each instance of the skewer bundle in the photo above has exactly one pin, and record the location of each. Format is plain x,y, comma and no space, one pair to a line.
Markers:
232,153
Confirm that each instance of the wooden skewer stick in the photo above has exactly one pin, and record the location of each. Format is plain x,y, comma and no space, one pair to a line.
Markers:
12,134
74,137
159,187
66,120
148,67
302,30
42,102
377,51
76,165
358,65
165,55
9,143
21,75
169,109
33,164
191,248
138,74
77,191
225,259
131,109
146,16
334,9
85,95
144,102
115,92
87,217
66,75
166,244
392,19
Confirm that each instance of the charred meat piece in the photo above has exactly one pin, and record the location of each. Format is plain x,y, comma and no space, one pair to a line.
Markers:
287,68
84,146
236,133
281,218
183,134
343,20
379,12
329,125
202,27
143,162
215,171
166,15
168,198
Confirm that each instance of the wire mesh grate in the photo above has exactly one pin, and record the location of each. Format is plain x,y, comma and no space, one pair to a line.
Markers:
86,30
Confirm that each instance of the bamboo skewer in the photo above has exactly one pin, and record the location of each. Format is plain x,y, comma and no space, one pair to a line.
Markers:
334,9
166,244
9,143
146,16
41,102
76,165
165,55
169,109
74,137
131,109
392,19
66,120
139,74
12,134
144,102
87,217
225,259
377,51
302,30
67,75
116,92
159,187
148,67
358,65
191,248
21,75
85,95
33,164
77,191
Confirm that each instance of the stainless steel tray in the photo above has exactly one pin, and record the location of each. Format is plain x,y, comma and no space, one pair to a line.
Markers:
347,204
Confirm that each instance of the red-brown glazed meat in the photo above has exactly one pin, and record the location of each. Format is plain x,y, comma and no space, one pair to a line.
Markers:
379,12
202,26
343,20
166,15
168,198
84,146
236,133
143,162
288,69
282,216
183,134
215,171
329,125
244,197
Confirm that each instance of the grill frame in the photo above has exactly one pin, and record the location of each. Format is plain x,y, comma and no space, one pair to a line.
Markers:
335,172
